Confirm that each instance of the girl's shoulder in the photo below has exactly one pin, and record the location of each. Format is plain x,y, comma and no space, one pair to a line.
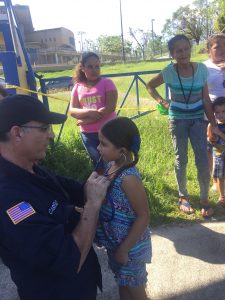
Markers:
199,65
169,73
78,84
76,88
107,83
200,69
169,67
130,171
104,79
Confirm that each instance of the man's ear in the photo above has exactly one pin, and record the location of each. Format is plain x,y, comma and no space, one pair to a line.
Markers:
16,133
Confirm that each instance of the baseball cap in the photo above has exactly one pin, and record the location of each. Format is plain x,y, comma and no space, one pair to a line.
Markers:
20,109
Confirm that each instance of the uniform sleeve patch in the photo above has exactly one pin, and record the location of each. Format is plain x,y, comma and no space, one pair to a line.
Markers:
20,212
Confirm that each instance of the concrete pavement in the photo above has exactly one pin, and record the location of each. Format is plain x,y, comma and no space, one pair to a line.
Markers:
188,264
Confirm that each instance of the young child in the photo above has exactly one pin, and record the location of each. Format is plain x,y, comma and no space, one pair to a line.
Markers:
124,217
217,137
93,102
216,75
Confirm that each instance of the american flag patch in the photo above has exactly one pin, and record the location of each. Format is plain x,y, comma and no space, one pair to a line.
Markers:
20,212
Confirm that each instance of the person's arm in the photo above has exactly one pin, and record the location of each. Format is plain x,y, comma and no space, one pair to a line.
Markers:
90,115
110,103
83,234
208,106
151,87
135,192
221,65
212,137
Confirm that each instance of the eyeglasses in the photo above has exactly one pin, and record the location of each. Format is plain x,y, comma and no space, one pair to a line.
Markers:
43,128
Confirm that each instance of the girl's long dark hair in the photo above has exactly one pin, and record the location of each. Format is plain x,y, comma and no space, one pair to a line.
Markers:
79,75
123,132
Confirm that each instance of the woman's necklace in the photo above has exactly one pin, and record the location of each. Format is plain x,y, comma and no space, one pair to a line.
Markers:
181,85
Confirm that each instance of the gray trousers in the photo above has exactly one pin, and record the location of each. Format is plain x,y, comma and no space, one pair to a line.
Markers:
195,130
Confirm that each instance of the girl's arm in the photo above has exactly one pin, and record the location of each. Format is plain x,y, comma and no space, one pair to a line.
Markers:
135,192
212,137
91,115
151,87
208,106
110,103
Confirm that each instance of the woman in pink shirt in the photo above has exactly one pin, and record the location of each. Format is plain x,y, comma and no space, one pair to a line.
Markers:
93,102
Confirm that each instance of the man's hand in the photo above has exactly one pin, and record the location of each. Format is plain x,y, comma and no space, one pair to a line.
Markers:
96,188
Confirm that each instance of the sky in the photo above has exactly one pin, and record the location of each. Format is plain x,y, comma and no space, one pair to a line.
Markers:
101,17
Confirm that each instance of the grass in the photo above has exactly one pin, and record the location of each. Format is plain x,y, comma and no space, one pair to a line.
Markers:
156,162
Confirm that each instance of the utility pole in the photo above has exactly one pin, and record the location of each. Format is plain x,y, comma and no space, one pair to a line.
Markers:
81,33
207,21
153,46
122,39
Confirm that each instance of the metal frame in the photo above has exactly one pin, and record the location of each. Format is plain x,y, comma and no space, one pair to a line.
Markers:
136,79
15,60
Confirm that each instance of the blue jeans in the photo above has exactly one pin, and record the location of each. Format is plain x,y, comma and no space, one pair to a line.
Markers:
91,142
195,130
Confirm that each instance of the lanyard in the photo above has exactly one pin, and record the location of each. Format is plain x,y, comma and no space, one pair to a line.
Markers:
181,85
109,198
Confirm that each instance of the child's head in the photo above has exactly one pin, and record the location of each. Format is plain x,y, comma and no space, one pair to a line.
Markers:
219,109
123,134
88,68
216,47
180,47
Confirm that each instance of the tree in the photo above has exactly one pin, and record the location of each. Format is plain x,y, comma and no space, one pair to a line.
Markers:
113,44
220,21
195,22
189,21
141,38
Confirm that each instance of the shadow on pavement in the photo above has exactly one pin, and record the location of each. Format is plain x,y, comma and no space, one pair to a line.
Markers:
213,291
197,241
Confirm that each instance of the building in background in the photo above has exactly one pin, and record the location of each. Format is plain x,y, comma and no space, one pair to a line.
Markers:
48,46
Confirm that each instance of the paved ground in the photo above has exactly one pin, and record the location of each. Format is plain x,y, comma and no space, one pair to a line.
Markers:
188,264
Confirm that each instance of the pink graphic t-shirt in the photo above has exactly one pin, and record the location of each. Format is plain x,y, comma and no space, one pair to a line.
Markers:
94,97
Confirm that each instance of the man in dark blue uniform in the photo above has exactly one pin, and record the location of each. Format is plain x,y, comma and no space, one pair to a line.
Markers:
45,237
